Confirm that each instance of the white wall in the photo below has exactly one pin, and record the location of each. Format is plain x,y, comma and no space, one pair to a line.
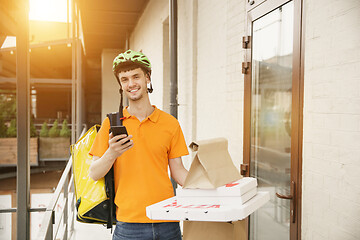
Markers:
331,159
219,79
110,97
187,69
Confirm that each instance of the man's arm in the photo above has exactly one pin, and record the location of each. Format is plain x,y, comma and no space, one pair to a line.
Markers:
178,172
100,166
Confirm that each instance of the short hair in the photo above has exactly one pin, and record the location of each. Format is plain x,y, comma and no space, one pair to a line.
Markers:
125,67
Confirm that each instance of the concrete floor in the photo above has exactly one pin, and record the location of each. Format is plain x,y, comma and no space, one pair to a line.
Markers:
86,231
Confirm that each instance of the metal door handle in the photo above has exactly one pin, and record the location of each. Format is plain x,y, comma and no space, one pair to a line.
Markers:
284,196
292,198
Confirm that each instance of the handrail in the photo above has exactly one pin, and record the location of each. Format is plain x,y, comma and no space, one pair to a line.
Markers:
65,185
46,230
7,210
13,210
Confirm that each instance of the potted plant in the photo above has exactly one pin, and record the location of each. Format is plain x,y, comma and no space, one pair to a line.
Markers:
65,130
3,128
55,143
8,132
8,143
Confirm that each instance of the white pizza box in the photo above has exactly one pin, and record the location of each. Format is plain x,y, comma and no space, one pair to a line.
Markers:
217,200
169,209
236,188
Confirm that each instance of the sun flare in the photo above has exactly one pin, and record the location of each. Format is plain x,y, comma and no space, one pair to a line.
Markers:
49,10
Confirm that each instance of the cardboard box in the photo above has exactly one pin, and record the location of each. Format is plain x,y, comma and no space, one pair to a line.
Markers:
217,200
235,189
169,209
212,166
215,230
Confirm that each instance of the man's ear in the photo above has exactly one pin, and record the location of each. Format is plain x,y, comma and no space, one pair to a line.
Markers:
148,79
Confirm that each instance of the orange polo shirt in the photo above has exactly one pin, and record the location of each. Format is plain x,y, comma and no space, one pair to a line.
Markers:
141,173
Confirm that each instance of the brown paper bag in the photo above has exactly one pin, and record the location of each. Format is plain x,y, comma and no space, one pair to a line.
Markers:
215,230
212,166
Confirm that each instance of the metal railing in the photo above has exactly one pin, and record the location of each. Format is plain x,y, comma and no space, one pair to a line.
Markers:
63,228
49,228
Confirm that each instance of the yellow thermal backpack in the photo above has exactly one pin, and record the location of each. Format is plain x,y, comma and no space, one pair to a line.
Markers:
94,199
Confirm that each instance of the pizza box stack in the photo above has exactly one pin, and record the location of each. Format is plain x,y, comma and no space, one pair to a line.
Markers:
214,190
235,193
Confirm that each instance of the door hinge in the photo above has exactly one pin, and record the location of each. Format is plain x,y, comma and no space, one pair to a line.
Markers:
244,168
246,42
245,67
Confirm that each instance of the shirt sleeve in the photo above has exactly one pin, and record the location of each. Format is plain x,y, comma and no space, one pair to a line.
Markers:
178,147
101,142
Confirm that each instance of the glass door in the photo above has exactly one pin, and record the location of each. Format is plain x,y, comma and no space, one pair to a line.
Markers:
271,152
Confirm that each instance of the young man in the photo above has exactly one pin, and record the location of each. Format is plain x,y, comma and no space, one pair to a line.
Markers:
155,142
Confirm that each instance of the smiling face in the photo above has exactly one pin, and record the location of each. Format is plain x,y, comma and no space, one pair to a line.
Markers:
134,83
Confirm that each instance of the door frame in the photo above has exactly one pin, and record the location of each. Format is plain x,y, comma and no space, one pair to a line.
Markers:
297,99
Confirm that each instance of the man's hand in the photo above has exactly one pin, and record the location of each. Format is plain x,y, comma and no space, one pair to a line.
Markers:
118,145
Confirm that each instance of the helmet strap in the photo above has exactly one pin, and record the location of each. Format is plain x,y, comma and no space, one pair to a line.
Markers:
121,104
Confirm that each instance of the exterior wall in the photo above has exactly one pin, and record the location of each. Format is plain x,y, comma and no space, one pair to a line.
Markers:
187,70
110,97
331,148
234,81
214,29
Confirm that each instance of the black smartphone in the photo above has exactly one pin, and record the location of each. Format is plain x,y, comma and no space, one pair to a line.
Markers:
118,130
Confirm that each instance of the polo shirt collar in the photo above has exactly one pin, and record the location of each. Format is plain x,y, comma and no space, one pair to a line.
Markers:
154,116
126,113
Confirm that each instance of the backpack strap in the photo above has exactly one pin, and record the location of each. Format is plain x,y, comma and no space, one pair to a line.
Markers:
109,177
116,119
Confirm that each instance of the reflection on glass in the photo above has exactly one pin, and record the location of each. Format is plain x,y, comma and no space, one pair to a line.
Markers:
271,120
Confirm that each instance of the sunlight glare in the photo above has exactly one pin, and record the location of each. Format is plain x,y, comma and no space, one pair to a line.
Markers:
10,41
49,10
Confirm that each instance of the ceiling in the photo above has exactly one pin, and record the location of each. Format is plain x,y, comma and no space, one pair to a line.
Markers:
106,24
7,19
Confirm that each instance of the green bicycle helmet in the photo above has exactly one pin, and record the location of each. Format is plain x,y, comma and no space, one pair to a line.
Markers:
131,57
